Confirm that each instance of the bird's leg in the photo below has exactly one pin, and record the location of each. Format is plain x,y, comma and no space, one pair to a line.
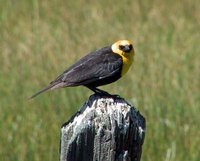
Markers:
98,91
102,92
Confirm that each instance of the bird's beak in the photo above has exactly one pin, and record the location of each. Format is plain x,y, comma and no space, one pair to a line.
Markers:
127,48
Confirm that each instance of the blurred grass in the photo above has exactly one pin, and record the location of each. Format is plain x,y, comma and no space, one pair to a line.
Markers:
39,39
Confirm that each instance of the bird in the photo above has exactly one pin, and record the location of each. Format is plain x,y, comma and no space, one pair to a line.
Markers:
98,68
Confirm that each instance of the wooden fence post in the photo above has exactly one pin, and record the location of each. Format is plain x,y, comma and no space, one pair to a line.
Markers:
105,129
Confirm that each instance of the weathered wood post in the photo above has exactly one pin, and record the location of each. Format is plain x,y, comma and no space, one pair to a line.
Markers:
105,129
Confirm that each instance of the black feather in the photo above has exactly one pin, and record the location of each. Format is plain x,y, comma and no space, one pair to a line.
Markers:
41,91
95,69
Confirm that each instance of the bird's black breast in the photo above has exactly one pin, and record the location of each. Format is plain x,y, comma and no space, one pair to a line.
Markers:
95,69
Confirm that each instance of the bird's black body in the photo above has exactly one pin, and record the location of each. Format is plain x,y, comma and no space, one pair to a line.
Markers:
95,69
98,68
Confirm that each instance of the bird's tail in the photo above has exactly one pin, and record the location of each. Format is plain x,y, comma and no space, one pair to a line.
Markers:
41,91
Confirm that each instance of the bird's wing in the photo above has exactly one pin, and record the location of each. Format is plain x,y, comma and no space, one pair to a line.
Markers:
93,67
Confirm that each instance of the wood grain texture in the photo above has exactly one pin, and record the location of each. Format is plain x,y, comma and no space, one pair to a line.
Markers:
105,129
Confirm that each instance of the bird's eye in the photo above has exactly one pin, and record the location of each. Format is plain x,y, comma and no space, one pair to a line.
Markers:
121,47
126,48
130,47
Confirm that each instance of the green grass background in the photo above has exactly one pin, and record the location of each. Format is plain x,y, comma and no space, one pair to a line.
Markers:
39,39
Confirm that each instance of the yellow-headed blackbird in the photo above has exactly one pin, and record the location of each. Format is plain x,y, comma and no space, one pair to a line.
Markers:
98,68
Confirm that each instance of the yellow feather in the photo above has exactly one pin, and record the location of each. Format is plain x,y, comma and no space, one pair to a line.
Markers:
127,58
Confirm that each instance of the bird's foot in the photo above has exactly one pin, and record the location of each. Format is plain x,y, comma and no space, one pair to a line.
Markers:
106,94
103,93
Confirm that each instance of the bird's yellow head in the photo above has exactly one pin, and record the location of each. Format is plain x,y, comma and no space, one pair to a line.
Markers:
125,49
